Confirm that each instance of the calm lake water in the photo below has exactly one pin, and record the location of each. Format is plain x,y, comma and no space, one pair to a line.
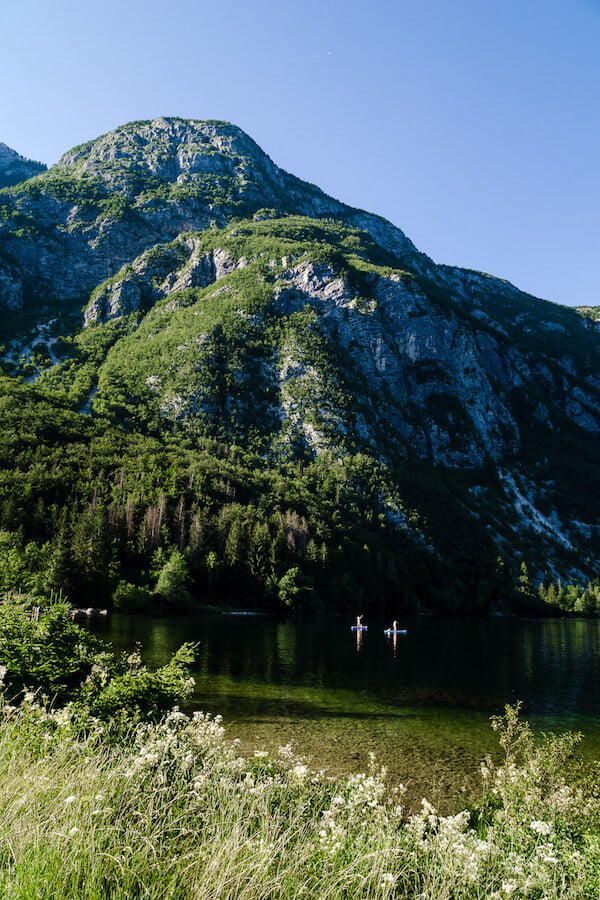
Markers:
421,701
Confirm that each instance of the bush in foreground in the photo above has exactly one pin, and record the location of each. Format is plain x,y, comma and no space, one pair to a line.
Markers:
51,656
173,811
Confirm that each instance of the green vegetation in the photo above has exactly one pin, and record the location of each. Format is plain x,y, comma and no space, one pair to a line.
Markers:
173,811
47,655
185,487
110,792
589,312
19,170
88,509
186,455
571,598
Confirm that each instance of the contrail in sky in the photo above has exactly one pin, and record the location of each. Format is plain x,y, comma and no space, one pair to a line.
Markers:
316,56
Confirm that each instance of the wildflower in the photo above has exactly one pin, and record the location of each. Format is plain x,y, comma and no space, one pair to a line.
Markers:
540,827
70,799
98,675
387,880
62,716
331,835
509,887
73,830
134,660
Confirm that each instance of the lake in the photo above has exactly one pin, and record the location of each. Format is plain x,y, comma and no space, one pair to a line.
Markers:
421,701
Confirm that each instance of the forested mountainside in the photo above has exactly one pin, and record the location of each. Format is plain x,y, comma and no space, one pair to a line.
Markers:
221,385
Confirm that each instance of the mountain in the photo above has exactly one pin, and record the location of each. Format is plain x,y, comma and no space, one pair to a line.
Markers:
426,432
14,168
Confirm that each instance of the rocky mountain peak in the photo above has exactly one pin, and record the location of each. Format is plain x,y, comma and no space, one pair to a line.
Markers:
144,183
174,151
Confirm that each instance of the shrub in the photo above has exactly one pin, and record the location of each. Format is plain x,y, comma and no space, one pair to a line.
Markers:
61,662
131,597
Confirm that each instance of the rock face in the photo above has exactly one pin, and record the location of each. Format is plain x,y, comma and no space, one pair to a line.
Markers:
239,295
154,275
448,381
109,200
14,168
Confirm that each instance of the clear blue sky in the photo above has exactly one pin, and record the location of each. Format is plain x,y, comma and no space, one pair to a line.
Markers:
474,125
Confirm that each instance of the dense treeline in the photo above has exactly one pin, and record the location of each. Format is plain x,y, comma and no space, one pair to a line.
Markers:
583,599
101,515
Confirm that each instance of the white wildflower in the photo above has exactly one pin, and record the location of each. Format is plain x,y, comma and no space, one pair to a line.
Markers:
199,782
134,660
98,674
331,835
62,716
74,830
70,799
540,827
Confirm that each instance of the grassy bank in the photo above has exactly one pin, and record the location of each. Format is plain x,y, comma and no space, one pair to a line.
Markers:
171,810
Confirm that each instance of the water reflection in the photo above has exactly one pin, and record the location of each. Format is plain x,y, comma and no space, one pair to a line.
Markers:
359,638
553,665
392,635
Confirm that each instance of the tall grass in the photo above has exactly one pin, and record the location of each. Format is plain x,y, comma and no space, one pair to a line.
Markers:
171,810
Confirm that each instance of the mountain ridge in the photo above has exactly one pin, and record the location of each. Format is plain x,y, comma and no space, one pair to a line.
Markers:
15,168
